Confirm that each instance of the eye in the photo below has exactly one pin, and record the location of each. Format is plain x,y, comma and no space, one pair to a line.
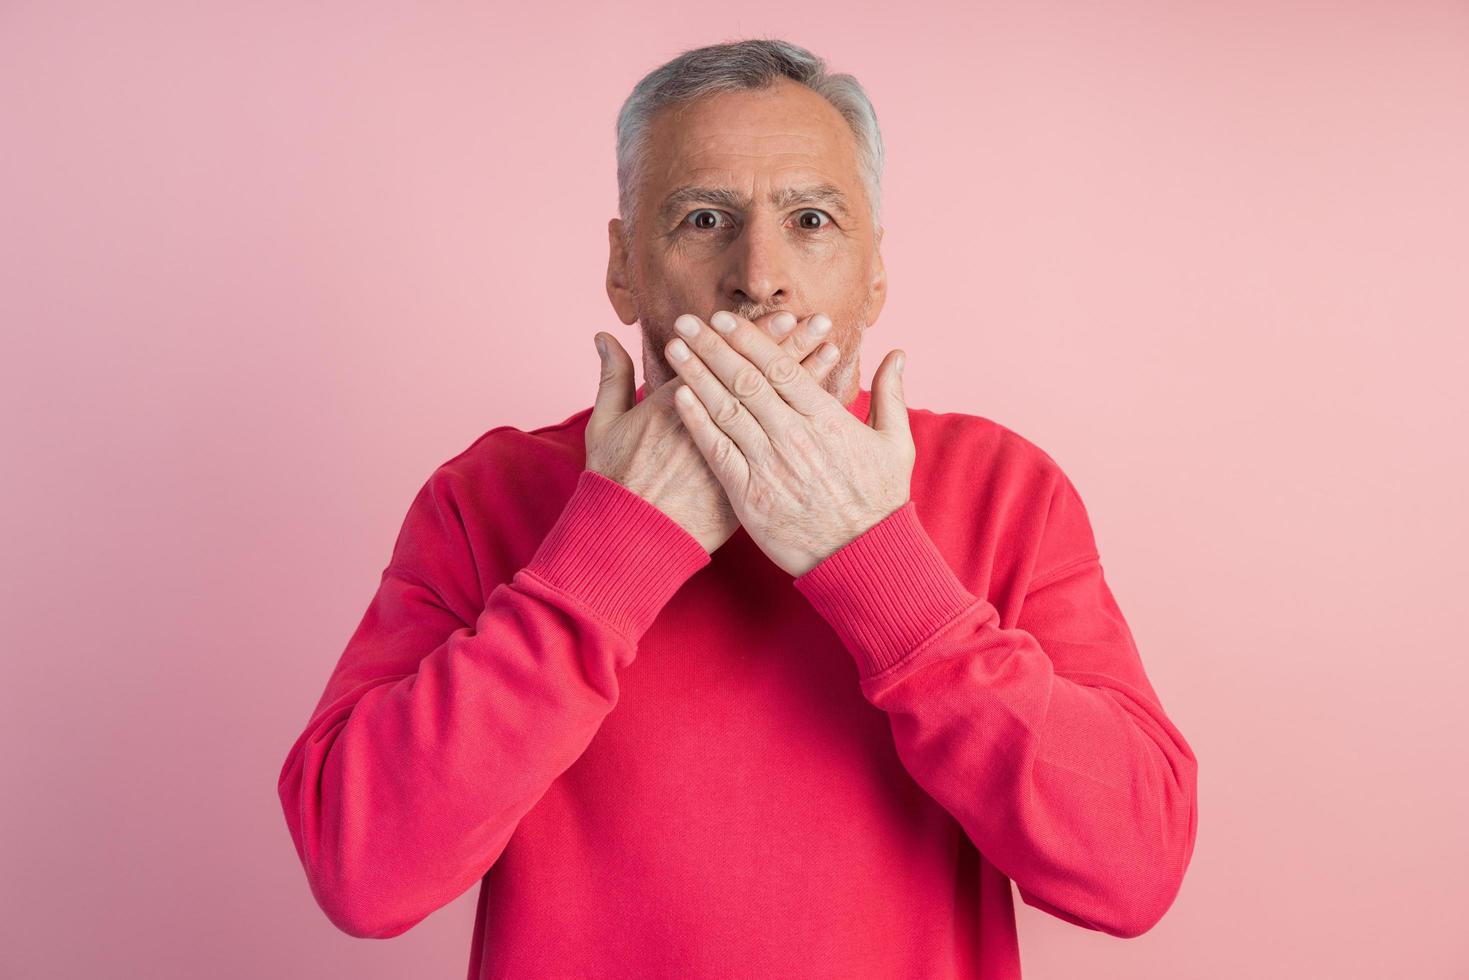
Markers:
700,222
810,227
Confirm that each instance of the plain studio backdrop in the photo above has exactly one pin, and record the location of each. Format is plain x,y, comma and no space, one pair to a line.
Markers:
264,267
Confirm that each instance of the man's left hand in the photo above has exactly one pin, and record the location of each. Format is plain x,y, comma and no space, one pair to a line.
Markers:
802,474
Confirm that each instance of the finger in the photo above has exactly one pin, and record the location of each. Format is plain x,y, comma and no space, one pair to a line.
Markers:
794,337
805,345
726,411
809,333
889,408
615,391
820,362
766,379
807,336
726,462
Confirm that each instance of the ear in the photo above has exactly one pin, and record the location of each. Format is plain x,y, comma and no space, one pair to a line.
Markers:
619,282
877,286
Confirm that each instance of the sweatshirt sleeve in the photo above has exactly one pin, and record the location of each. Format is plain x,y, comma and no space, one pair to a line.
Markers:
434,736
1044,740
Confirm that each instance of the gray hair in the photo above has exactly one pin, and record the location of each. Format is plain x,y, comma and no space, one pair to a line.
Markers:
737,66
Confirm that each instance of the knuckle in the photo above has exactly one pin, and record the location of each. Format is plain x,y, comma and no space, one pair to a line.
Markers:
724,453
727,414
783,370
747,382
792,345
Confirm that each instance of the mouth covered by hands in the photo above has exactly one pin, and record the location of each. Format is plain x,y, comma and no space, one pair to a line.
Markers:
803,475
646,447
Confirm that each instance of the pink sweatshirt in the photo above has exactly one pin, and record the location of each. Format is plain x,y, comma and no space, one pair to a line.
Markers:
655,762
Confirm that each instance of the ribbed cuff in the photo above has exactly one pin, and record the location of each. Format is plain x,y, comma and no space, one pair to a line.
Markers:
886,591
617,553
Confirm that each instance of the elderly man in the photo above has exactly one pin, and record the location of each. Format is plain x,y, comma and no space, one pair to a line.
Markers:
749,671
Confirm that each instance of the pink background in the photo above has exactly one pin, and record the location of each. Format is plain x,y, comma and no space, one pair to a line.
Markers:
261,272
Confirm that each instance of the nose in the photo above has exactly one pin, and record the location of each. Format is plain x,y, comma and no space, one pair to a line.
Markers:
759,267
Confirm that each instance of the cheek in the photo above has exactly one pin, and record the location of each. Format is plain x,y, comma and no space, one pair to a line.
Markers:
840,282
834,254
668,289
657,309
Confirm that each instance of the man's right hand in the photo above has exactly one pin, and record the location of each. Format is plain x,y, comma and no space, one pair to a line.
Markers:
645,447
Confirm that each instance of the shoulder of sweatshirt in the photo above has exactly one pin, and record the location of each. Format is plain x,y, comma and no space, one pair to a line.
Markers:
999,506
517,459
962,452
480,515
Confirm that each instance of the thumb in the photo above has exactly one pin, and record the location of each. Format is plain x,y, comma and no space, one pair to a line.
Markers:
889,408
615,390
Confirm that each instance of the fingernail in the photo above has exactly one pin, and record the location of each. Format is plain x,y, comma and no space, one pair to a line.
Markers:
782,323
688,325
722,321
820,324
902,360
601,345
678,350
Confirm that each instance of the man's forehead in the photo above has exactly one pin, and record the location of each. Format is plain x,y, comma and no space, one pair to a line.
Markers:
785,143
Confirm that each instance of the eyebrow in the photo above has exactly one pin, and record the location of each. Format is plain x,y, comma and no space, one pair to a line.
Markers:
781,198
